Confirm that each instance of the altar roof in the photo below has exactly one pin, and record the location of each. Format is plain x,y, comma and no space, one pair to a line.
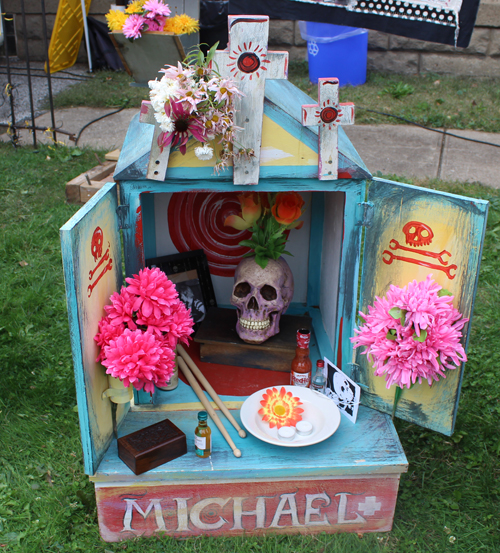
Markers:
289,150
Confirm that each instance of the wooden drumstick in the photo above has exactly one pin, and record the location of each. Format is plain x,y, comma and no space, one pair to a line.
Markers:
213,394
210,410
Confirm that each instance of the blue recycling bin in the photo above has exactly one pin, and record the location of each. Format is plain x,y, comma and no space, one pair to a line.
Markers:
335,51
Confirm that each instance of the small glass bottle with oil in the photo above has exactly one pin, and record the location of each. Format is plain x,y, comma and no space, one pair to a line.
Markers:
203,436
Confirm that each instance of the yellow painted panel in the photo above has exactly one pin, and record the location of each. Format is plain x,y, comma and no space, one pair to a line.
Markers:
289,152
450,254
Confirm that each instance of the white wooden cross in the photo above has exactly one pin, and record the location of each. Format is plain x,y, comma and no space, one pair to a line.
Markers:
249,63
158,159
328,114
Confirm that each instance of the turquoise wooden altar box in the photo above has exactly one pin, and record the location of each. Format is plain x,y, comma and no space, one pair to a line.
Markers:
349,482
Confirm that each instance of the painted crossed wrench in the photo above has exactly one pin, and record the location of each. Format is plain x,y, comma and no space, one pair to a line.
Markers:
107,268
395,245
392,257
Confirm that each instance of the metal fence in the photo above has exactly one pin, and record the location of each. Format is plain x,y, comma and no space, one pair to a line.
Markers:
27,83
27,71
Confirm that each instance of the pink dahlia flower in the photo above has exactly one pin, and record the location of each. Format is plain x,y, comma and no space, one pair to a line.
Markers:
107,332
133,26
155,8
412,334
139,358
185,125
175,327
121,310
154,293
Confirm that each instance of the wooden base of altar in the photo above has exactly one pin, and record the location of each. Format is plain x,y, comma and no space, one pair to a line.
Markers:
219,342
347,483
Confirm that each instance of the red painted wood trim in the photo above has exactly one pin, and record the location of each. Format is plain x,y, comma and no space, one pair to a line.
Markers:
359,505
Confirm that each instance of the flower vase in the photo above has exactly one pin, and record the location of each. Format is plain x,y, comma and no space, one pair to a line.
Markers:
143,57
261,296
117,392
174,380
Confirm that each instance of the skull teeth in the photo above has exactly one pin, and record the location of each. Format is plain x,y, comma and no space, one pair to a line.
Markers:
255,325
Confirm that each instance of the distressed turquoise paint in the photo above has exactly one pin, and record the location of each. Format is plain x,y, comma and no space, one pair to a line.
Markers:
75,235
325,348
134,154
348,285
350,451
148,225
315,248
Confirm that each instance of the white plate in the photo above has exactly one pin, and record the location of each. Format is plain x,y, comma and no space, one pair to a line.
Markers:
319,410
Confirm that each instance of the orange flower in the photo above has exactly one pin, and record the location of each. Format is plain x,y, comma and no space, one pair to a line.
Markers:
288,207
251,211
280,408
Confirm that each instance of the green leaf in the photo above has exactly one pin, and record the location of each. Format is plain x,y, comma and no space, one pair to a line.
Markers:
422,337
287,253
261,261
391,335
444,292
396,312
248,244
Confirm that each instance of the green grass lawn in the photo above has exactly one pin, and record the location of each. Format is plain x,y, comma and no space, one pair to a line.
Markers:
449,500
430,100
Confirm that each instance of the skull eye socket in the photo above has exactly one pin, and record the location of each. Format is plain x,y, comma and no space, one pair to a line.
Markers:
242,290
268,292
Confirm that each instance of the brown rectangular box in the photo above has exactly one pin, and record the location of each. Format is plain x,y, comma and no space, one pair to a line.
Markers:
152,446
219,342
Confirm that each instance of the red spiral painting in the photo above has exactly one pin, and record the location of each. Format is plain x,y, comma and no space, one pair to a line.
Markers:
196,221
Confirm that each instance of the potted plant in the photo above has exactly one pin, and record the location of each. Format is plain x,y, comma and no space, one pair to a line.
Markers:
147,36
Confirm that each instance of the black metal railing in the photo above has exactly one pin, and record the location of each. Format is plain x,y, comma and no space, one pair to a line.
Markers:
25,70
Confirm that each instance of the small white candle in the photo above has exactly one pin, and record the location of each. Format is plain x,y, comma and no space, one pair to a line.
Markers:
286,433
304,428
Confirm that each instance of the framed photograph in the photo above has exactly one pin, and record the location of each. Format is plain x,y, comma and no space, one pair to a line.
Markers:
344,391
190,273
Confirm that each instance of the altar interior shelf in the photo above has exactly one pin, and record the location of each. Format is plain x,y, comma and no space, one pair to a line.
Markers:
349,481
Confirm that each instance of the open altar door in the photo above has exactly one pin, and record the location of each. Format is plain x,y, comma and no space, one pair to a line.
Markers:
415,232
91,252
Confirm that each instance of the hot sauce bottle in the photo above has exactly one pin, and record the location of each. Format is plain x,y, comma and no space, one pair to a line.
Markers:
202,436
301,364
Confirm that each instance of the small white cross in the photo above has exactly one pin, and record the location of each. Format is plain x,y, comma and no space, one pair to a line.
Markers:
370,506
158,158
328,114
247,61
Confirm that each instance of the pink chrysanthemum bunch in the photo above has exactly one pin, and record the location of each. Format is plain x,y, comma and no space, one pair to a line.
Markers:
412,334
193,100
141,330
149,15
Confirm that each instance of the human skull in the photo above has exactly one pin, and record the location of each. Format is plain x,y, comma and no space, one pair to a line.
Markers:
261,296
418,234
